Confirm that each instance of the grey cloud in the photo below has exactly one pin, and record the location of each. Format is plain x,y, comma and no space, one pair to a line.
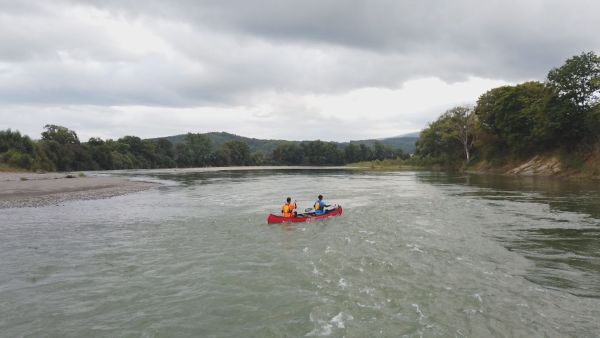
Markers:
516,38
226,52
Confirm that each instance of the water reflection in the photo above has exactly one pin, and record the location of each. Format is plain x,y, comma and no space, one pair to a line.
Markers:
242,174
581,196
555,223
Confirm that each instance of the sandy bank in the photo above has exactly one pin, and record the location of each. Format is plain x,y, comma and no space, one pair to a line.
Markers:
33,190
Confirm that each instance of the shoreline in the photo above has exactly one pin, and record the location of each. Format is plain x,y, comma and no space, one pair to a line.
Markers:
23,189
542,165
490,172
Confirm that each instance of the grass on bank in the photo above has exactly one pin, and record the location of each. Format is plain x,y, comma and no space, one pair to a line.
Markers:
388,164
5,169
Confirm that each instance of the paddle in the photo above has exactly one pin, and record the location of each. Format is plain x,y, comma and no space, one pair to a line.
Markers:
332,207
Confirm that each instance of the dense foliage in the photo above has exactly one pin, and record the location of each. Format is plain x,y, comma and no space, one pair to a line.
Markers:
266,146
60,149
512,122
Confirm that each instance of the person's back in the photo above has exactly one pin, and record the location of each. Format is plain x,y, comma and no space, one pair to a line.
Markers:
287,210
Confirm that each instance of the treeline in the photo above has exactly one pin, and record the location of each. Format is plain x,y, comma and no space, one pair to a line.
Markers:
59,149
514,122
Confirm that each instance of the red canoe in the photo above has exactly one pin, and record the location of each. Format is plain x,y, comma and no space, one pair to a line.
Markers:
273,219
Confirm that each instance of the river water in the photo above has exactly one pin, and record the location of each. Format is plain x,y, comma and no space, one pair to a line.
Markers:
414,254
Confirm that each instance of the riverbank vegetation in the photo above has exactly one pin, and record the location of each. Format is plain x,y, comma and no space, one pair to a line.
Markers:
558,118
60,149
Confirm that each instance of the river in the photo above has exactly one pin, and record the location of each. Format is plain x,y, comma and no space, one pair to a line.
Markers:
414,254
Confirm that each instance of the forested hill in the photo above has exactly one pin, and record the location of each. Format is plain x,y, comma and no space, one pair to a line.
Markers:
404,142
217,139
60,149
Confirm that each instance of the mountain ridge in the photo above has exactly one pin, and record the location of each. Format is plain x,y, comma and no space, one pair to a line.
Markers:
406,142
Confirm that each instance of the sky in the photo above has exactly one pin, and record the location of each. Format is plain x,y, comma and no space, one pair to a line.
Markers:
334,70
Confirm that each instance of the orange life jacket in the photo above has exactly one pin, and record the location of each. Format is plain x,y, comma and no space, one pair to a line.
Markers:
288,209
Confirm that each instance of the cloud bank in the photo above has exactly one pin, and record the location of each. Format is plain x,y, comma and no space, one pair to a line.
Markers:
334,70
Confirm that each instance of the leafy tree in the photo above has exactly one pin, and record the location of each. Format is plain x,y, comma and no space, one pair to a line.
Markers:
517,117
15,141
379,150
17,159
366,153
42,162
288,154
238,152
578,80
437,143
222,157
17,151
62,147
184,156
165,153
121,161
199,148
593,122
322,153
59,134
258,158
461,124
352,153
100,154
399,153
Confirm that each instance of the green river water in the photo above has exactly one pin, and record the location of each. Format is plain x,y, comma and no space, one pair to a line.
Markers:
415,254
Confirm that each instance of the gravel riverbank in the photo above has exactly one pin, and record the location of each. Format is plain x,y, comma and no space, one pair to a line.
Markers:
34,190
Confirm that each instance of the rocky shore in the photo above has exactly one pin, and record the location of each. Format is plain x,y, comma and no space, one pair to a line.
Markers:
35,190
549,165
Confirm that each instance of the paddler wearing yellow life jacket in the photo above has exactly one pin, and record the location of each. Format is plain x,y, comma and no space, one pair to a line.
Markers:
320,206
287,210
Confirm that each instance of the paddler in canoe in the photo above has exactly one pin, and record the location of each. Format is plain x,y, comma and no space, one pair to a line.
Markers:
289,214
320,206
289,208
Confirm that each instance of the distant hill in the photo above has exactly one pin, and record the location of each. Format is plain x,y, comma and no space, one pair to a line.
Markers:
404,142
218,138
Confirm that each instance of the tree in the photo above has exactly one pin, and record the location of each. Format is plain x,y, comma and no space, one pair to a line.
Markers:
238,152
183,156
16,150
436,143
60,134
14,140
199,147
100,153
379,150
352,153
142,153
578,80
322,153
366,154
314,152
62,147
165,153
258,158
288,154
523,118
461,121
449,138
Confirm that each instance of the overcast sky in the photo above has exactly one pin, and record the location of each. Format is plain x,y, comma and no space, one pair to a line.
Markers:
311,69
